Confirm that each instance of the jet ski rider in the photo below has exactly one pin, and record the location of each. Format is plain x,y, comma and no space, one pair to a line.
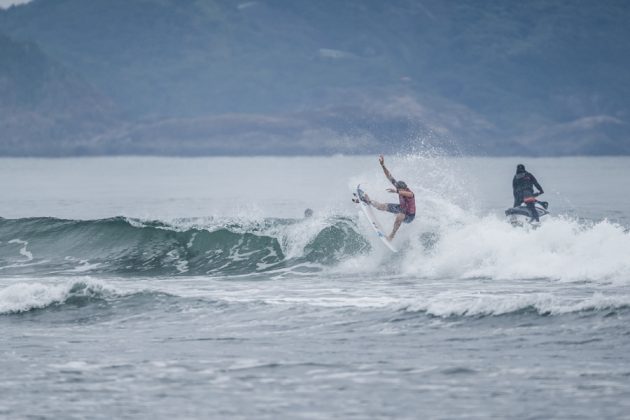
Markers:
523,189
405,210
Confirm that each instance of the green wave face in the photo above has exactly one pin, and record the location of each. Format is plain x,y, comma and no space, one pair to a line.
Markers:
41,246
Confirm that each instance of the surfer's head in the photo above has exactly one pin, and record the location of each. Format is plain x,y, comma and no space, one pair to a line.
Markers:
401,185
520,168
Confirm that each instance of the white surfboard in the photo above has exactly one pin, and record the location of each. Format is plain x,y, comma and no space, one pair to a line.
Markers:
369,213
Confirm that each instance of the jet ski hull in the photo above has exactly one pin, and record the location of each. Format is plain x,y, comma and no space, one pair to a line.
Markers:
518,216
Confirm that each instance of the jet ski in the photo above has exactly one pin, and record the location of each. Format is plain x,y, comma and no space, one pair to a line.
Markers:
520,215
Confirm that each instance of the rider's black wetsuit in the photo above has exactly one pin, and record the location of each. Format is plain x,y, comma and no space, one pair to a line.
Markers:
523,188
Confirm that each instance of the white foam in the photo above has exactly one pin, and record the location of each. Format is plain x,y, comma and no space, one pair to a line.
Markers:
453,299
82,265
173,257
23,251
446,305
23,296
561,249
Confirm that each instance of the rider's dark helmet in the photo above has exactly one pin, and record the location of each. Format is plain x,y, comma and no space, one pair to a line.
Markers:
401,185
520,168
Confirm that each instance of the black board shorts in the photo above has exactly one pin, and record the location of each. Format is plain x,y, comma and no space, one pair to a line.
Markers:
395,208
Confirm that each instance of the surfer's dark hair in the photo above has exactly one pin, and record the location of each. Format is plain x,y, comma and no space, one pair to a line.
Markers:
520,168
401,184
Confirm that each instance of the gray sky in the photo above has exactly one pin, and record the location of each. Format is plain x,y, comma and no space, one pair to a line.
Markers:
7,3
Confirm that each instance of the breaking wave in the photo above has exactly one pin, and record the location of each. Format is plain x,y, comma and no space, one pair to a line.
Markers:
124,246
96,296
448,244
24,297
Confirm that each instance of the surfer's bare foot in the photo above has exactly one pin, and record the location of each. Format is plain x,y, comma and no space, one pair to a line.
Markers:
366,198
390,238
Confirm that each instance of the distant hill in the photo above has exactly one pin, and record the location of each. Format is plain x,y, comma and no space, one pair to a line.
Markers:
301,76
44,108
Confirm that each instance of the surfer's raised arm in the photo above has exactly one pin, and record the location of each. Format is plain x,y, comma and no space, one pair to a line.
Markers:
389,176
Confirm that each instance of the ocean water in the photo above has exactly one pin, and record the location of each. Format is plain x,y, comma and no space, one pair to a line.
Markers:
195,288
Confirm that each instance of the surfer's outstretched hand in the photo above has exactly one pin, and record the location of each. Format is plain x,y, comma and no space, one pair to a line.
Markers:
381,160
392,190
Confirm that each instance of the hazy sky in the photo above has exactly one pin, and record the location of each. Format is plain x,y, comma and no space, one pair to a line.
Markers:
7,3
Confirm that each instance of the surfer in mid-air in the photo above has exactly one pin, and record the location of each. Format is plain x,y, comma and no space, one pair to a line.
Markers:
405,210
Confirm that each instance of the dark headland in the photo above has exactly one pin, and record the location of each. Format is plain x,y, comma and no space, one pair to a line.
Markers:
301,77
